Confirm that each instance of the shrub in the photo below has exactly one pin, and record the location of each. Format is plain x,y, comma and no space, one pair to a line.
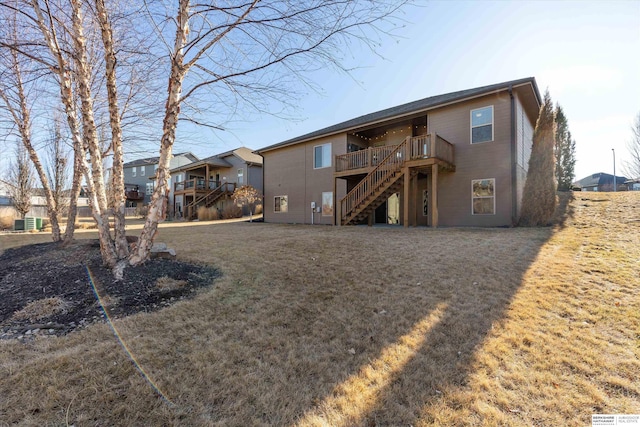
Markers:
142,211
258,210
6,222
232,211
208,214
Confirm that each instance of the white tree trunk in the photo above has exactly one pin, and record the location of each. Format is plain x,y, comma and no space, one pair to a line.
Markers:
117,171
158,205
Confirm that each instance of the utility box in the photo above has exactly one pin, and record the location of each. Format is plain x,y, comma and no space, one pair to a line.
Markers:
18,225
29,223
38,223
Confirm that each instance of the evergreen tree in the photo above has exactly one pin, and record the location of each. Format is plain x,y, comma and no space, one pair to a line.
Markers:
565,152
539,197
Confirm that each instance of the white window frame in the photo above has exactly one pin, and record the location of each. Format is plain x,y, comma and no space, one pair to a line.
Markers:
325,163
484,197
471,126
143,170
134,171
149,188
278,199
240,177
327,195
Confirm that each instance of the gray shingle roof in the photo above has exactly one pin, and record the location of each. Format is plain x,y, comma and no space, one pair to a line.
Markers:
408,108
153,160
599,178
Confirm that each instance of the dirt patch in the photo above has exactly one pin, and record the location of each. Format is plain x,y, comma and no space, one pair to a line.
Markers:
47,289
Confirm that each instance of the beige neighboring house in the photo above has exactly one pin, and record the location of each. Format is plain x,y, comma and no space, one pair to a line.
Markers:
458,159
212,181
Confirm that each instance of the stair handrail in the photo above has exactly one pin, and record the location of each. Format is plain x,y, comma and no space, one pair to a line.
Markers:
391,163
195,202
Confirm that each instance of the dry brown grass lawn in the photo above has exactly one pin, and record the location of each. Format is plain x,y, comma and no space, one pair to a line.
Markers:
352,326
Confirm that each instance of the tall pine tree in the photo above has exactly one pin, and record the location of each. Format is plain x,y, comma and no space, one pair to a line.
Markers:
565,152
539,196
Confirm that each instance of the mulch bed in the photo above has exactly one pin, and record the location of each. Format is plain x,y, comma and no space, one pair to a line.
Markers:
31,276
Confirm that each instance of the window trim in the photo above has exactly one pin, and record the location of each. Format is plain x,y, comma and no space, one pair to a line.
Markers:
484,197
134,171
471,126
241,176
314,155
280,204
143,170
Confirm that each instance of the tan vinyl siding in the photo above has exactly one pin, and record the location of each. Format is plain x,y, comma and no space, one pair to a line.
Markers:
289,171
474,161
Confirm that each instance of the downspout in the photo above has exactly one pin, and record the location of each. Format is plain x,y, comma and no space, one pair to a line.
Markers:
514,177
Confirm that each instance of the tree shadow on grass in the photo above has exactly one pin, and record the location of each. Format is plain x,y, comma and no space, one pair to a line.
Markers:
344,352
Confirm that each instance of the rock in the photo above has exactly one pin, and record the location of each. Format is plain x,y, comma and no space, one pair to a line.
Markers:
166,253
159,246
352,351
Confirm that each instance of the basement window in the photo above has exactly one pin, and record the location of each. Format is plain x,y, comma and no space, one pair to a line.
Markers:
482,125
281,204
322,156
483,196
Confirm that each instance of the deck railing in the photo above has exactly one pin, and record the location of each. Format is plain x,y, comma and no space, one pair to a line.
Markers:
198,184
386,167
420,147
134,195
363,158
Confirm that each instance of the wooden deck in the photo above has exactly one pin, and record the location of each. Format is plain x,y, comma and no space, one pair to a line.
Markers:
421,151
389,169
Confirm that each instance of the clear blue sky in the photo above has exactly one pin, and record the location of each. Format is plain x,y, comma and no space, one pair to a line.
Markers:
586,53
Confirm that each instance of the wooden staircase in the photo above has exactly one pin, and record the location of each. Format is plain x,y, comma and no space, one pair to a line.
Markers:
384,180
223,190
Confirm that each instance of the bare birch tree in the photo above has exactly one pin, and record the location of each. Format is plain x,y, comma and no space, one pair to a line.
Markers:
220,58
14,97
632,167
249,53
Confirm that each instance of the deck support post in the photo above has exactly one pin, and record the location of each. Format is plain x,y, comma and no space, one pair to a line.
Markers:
405,197
433,196
337,209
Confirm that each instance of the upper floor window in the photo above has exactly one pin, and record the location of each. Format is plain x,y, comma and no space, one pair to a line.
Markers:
482,124
149,188
240,176
143,170
133,171
322,156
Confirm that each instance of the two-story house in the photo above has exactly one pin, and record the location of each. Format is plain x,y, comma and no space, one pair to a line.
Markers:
458,159
212,181
138,176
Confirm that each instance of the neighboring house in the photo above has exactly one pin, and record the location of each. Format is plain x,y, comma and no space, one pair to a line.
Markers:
458,159
601,182
138,173
211,181
633,184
